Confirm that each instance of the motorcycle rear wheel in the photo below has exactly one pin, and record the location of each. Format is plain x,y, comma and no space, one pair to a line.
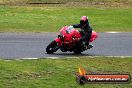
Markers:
52,47
77,51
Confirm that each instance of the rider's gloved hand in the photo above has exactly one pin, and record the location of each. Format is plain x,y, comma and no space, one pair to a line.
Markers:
70,27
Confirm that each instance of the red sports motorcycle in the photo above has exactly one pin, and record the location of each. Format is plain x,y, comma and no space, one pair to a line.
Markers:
68,41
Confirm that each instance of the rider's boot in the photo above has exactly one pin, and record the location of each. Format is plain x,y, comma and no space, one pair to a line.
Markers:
89,46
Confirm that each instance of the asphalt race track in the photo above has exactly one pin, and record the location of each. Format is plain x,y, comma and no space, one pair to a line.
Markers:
33,45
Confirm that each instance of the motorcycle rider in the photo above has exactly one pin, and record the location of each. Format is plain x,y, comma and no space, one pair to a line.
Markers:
86,31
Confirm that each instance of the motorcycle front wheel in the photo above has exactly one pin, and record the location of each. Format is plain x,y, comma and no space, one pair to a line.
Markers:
52,47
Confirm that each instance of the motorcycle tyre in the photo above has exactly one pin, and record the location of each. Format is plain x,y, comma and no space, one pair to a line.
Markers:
77,51
51,47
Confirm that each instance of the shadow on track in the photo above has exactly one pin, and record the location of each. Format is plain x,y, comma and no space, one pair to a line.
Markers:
68,54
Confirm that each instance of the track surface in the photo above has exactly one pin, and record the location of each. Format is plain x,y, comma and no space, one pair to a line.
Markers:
33,45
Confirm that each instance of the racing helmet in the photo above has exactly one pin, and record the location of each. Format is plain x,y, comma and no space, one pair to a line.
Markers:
84,20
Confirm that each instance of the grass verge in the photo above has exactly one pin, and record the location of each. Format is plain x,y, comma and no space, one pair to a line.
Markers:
51,19
102,2
59,73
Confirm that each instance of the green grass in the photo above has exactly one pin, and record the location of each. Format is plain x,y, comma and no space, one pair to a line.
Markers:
51,19
59,73
62,1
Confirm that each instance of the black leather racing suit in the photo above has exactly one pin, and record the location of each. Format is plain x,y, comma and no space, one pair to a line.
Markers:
86,32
